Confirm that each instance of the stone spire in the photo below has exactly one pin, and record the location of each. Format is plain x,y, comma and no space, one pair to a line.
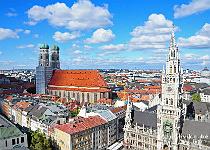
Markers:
173,49
128,114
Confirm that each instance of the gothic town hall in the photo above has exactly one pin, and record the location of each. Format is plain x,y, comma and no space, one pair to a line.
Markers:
166,126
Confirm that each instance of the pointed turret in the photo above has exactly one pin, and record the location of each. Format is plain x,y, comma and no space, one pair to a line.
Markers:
128,114
173,49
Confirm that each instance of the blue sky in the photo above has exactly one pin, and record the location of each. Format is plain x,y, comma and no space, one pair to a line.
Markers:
104,33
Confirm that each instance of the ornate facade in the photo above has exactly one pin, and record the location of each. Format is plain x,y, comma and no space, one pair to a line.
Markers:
166,128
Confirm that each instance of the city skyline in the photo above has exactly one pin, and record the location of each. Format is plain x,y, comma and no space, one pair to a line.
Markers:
104,34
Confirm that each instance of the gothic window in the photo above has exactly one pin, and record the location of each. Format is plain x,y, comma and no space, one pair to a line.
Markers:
174,69
166,100
171,101
174,79
83,97
68,95
88,96
170,69
41,57
95,96
78,96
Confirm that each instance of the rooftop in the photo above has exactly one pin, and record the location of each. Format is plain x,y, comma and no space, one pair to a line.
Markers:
78,78
7,129
81,124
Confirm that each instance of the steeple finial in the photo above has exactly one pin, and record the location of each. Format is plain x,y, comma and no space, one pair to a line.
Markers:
173,36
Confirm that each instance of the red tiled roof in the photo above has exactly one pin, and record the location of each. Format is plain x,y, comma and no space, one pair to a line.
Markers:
9,98
152,87
81,124
79,89
116,110
79,78
187,88
21,105
105,101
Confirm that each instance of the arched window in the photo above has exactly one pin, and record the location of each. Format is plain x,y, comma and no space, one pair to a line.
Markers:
171,101
166,100
83,97
78,96
88,97
95,96
170,69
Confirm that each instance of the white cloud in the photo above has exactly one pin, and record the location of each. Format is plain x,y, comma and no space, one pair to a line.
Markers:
190,56
11,14
87,47
100,36
65,36
154,34
7,33
27,31
81,15
200,40
205,57
26,46
36,35
193,7
112,47
77,52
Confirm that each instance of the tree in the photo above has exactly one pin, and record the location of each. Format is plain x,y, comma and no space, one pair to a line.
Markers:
75,112
39,141
196,97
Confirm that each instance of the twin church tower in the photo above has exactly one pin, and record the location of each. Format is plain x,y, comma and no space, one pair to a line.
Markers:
48,61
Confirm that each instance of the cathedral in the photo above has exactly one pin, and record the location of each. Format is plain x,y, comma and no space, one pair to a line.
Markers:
165,125
46,66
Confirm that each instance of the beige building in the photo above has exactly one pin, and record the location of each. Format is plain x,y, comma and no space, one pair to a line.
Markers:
81,133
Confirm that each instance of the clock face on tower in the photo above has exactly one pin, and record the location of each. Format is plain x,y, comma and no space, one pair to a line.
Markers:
169,89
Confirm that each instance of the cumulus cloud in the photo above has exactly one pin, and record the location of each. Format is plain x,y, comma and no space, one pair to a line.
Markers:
8,33
100,36
193,7
65,36
190,58
81,15
112,47
77,52
26,46
87,47
154,34
198,41
11,13
27,31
